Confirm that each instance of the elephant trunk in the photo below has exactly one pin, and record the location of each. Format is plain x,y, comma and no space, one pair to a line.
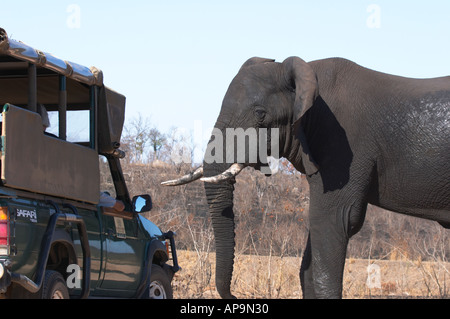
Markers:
220,201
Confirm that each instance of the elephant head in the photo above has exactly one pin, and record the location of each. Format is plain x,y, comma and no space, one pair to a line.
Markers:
263,95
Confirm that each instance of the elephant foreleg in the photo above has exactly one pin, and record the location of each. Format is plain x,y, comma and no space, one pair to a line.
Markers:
306,275
330,231
328,260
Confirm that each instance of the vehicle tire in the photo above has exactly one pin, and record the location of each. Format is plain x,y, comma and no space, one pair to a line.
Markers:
159,285
54,286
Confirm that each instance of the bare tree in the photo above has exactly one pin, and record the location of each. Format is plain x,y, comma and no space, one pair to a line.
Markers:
136,138
157,141
142,141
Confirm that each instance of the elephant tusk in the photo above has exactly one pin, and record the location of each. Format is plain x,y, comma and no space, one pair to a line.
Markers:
234,170
188,178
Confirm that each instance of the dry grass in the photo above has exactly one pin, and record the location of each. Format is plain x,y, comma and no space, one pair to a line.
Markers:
277,277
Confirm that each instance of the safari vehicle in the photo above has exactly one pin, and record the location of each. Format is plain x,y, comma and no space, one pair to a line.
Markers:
56,238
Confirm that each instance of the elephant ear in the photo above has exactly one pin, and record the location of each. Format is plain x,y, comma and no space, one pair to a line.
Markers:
301,79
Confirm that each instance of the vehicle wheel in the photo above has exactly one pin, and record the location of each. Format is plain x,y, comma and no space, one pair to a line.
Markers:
159,287
54,286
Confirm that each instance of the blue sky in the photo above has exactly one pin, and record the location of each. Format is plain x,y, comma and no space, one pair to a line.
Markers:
175,59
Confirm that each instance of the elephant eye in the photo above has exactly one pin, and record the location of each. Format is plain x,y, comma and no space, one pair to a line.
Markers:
260,113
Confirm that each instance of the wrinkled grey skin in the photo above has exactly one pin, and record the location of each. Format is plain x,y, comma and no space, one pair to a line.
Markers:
359,135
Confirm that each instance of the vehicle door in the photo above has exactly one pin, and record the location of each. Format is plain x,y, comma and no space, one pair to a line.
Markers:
93,228
123,256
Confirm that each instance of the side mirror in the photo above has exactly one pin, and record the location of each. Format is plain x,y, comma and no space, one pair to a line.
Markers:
142,203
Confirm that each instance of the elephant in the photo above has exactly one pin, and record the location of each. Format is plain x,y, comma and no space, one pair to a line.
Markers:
360,136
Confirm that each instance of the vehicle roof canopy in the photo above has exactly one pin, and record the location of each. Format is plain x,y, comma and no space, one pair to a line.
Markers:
15,58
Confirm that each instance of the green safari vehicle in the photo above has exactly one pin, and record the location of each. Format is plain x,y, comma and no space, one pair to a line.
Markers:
57,239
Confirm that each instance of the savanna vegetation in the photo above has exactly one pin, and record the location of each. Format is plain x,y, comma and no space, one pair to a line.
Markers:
272,226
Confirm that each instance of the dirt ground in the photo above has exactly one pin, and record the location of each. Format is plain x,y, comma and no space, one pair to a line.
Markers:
277,277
